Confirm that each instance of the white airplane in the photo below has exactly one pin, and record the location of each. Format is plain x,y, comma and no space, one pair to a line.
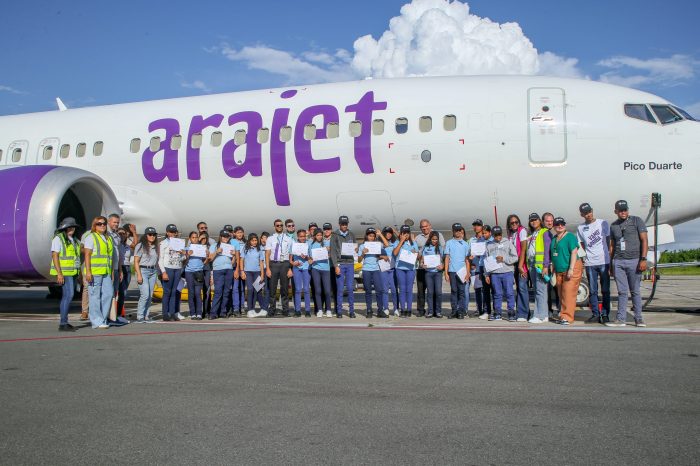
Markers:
383,152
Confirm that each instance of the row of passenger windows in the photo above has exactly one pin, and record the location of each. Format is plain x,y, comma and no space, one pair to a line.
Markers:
64,152
666,114
425,125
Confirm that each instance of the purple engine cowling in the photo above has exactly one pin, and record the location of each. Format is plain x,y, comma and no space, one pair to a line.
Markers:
33,200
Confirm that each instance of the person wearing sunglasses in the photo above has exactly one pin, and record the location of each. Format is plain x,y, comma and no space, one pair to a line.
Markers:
534,259
65,264
278,267
568,268
98,250
517,234
146,267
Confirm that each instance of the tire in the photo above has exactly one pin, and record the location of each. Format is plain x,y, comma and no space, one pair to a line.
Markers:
584,293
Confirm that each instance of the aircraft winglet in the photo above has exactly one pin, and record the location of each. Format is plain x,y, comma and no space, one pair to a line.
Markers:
61,106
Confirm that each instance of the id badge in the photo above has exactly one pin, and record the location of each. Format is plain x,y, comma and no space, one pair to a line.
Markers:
622,244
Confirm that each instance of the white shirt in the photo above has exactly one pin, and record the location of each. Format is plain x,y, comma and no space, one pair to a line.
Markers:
168,258
285,243
594,237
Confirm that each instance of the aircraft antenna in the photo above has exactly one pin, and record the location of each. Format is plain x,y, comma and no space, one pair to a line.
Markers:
61,106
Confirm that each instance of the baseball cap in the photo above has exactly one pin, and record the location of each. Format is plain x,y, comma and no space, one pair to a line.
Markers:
370,230
150,231
534,216
312,225
487,227
585,208
343,219
621,205
327,226
405,229
559,221
171,228
228,228
496,230
238,228
224,232
457,226
387,230
478,221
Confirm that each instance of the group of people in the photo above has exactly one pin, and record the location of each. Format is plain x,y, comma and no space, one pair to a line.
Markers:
501,264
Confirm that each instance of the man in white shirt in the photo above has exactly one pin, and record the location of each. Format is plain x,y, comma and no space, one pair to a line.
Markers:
117,259
425,229
594,236
278,268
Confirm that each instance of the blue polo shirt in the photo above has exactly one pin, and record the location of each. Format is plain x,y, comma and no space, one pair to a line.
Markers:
220,262
389,250
458,250
370,262
323,265
430,250
251,258
407,246
304,261
194,264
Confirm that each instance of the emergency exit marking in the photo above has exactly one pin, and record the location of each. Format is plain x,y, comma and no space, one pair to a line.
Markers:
391,144
461,141
391,170
463,167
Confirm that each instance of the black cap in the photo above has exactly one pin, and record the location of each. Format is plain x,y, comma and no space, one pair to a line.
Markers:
264,233
67,222
238,228
343,219
312,225
228,228
487,227
150,231
457,226
370,230
224,232
387,230
405,229
496,230
559,221
171,228
585,208
534,216
621,205
327,226
478,221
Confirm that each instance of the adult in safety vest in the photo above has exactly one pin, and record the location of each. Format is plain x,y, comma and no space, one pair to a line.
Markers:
537,243
98,248
65,264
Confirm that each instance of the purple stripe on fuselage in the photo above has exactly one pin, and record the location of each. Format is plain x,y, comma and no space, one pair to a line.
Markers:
17,185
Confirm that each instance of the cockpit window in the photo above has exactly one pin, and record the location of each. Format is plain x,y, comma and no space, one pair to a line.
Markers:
685,114
640,112
666,114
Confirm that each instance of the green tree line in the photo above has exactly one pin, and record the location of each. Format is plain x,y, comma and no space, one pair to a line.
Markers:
688,255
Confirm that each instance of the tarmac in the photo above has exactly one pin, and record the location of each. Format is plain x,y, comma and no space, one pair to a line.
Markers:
351,391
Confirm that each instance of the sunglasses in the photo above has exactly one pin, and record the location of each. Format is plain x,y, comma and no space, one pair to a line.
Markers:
514,223
278,225
100,224
558,224
290,225
150,234
203,228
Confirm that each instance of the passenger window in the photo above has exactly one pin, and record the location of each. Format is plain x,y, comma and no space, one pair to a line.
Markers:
332,130
80,149
155,144
16,155
65,151
263,135
98,148
666,114
401,125
425,124
196,140
48,153
639,112
449,122
239,137
378,127
310,132
176,142
135,145
216,138
285,133
355,128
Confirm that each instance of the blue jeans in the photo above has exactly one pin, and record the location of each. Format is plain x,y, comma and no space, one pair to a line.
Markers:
238,293
457,288
322,286
483,294
405,279
540,288
101,293
194,294
522,295
253,294
223,279
433,281
389,278
206,292
502,286
347,275
302,280
593,272
628,279
170,293
372,278
123,286
67,292
146,292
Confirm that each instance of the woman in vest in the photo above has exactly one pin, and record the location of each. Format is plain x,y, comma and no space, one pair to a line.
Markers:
65,262
517,235
98,248
537,243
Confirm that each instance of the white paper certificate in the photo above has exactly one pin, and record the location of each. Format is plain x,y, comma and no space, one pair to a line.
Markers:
384,265
408,256
198,250
431,261
300,249
319,254
347,249
478,249
176,244
490,264
226,249
258,284
462,274
373,247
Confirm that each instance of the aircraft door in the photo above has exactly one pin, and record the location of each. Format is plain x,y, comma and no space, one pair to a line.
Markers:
366,209
47,153
546,125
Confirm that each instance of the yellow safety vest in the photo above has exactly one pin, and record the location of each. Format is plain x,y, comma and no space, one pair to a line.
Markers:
539,247
101,257
68,258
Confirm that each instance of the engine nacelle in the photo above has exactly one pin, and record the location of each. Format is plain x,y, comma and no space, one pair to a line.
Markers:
33,200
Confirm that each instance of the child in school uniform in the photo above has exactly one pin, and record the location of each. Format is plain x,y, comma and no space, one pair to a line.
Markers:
222,269
405,271
502,279
389,276
194,276
456,258
433,275
371,275
321,274
302,277
252,259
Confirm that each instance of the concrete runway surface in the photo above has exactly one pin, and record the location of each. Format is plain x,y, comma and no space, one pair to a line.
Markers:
329,391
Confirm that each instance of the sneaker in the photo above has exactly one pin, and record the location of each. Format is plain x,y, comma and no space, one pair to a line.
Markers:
438,316
564,322
512,319
521,319
484,316
123,320
252,314
261,313
140,321
604,320
384,313
535,320
492,318
66,328
179,316
497,318
103,326
593,320
397,313
329,314
319,314
640,323
616,323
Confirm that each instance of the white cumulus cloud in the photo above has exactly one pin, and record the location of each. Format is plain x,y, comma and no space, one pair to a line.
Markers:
196,84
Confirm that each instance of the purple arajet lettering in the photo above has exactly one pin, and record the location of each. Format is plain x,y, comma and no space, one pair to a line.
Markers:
197,125
278,157
253,154
363,143
169,169
302,147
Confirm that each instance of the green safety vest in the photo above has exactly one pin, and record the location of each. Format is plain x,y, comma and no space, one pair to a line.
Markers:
68,258
101,257
539,247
